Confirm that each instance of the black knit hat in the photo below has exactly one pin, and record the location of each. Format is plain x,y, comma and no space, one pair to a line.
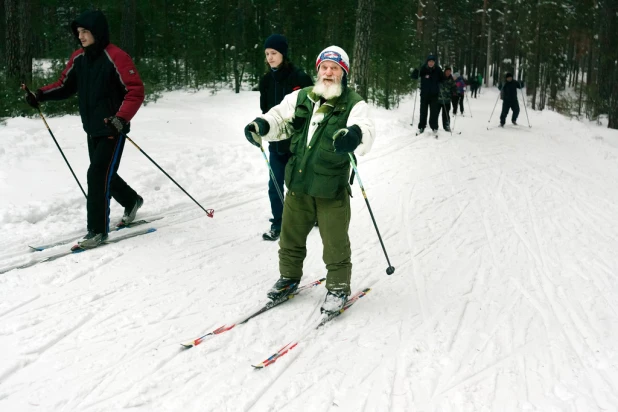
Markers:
509,74
448,68
277,42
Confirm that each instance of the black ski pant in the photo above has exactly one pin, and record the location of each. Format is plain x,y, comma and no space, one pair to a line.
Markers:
446,114
475,90
458,99
104,182
429,102
505,110
278,161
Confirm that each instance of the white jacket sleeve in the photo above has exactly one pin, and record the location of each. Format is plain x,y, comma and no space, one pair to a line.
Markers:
360,116
280,117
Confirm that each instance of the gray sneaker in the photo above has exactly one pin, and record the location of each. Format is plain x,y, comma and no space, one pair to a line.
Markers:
92,240
129,213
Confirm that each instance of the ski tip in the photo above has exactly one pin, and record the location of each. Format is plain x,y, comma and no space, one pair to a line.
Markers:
260,366
36,249
150,230
187,345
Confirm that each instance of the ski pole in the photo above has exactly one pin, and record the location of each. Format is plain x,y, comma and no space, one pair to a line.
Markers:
272,174
492,112
25,88
525,108
390,270
414,109
209,212
468,100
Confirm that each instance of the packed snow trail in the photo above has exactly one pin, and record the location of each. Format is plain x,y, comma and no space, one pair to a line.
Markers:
504,296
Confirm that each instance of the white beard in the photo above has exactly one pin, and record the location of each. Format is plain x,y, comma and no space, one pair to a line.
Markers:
328,91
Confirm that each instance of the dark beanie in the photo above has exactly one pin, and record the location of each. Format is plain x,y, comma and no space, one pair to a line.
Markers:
277,42
431,57
508,75
448,68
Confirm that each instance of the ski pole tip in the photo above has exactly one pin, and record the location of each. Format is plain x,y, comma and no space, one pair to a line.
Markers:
390,270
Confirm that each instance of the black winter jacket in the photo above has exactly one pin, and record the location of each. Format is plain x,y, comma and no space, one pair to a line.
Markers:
431,77
508,91
104,77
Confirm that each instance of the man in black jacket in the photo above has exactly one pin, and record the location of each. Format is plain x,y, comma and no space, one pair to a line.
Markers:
508,94
110,92
431,76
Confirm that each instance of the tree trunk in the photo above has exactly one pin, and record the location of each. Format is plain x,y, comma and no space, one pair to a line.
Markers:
25,41
360,60
3,36
128,27
488,65
12,38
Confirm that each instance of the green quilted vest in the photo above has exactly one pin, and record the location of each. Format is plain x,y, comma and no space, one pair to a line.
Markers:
316,169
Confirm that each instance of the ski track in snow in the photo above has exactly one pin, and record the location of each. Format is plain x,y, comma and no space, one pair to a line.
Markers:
504,295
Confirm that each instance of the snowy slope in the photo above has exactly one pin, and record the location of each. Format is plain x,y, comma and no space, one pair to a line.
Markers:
504,297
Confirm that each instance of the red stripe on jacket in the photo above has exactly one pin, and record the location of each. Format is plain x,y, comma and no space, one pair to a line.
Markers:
129,78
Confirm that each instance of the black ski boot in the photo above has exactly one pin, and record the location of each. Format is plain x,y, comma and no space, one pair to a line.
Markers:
282,289
334,302
272,235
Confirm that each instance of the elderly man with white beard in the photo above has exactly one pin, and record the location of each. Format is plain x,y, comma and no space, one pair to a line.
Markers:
325,123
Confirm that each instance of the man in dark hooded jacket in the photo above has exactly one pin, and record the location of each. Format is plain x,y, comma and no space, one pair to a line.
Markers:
110,92
431,76
508,94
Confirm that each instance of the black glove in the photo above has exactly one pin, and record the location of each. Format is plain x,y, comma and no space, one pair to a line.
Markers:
115,125
414,74
33,99
255,129
347,140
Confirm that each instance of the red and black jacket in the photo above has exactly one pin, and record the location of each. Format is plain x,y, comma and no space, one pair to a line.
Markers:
104,77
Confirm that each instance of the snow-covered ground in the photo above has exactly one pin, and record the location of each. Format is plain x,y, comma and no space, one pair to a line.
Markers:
504,297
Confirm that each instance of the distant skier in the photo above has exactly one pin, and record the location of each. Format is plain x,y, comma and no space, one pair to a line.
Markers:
479,82
458,97
448,89
281,79
324,123
110,92
431,76
508,94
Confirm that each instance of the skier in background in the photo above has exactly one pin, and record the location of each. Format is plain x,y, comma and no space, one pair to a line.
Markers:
508,94
281,79
448,89
458,97
431,76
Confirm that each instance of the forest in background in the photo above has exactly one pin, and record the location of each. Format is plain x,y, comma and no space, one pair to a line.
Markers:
565,51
